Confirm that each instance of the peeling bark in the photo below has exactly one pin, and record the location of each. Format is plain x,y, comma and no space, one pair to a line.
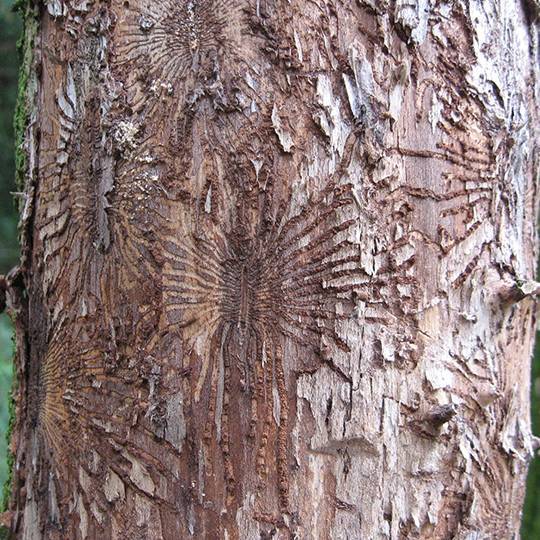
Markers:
278,261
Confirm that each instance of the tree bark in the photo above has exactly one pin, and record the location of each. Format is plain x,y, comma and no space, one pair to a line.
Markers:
277,263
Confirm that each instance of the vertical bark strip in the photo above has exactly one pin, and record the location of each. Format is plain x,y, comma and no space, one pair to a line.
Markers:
269,244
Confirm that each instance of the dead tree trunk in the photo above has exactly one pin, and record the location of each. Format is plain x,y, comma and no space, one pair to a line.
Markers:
276,273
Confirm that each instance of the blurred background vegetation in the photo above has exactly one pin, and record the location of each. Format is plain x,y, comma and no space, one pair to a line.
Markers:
10,27
530,529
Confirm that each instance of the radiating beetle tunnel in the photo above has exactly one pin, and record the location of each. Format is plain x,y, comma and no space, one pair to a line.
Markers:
195,41
246,295
241,302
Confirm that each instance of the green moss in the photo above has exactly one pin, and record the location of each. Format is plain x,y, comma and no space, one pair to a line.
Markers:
25,90
21,5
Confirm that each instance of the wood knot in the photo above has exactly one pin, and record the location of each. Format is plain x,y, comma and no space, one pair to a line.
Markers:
431,423
439,416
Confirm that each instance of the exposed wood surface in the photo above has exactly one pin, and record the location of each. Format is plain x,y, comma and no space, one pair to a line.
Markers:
266,249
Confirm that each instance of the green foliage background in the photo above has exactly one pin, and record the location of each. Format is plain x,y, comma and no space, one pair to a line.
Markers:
5,385
530,529
10,27
9,33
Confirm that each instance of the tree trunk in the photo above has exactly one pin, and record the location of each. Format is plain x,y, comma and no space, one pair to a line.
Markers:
276,271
